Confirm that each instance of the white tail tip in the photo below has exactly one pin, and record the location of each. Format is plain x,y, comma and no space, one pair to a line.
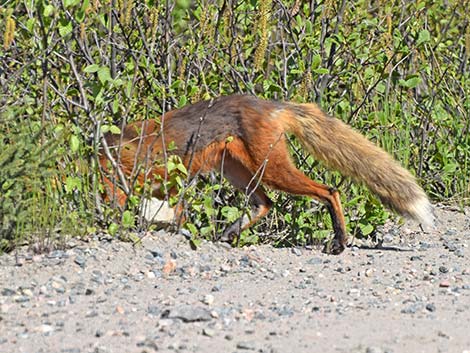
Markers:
423,212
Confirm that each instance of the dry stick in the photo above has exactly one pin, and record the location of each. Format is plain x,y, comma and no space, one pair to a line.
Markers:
191,158
99,137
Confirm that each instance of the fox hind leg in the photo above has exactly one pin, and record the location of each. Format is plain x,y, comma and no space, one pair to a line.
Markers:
284,176
240,177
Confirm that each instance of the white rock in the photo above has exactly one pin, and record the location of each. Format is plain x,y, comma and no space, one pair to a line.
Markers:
157,211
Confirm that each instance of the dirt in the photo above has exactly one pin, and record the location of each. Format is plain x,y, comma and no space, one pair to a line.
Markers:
409,294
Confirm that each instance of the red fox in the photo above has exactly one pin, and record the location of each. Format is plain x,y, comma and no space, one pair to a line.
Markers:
244,138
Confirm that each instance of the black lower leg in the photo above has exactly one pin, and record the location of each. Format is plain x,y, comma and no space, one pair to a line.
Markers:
233,231
339,240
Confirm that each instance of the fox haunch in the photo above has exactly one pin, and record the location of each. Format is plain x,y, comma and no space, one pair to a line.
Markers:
244,138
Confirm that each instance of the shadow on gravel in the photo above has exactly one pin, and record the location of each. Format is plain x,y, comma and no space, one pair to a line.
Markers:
384,248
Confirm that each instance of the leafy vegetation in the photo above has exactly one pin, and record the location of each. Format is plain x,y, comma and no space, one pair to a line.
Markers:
70,70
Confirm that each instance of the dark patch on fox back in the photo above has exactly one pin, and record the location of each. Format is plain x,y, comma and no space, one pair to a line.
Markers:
198,125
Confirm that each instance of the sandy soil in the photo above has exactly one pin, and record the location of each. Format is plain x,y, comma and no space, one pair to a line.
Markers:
411,294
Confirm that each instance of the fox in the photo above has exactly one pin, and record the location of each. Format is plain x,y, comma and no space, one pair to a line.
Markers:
245,138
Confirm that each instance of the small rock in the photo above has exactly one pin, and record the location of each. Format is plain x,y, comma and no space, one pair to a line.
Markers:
208,299
156,253
296,251
444,284
216,288
153,310
451,231
249,346
58,287
315,261
188,313
169,267
443,334
374,350
21,299
7,292
208,332
149,343
80,261
412,309
443,269
430,307
459,252
354,292
45,329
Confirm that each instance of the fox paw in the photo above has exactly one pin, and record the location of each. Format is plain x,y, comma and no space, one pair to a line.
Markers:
229,235
334,247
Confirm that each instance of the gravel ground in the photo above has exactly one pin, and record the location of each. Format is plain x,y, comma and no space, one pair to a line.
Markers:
412,294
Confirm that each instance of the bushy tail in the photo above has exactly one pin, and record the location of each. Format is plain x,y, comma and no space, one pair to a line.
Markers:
343,149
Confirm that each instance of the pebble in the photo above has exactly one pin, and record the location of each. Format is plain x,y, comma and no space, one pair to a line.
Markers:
7,292
444,284
246,345
208,332
21,299
314,261
443,269
80,261
412,309
148,343
208,299
373,349
188,313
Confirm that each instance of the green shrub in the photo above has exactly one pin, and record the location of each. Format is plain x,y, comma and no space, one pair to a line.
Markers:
398,72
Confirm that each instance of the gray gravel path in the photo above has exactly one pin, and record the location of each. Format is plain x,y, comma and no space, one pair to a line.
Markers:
411,295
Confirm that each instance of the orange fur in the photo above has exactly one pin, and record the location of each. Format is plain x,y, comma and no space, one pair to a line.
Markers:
244,138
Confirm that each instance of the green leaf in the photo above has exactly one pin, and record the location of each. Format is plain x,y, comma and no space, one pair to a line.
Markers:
192,228
321,71
316,61
104,74
411,82
72,183
68,3
115,106
182,168
91,68
74,143
127,219
113,228
230,213
48,10
450,168
183,101
423,37
114,130
366,229
65,27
